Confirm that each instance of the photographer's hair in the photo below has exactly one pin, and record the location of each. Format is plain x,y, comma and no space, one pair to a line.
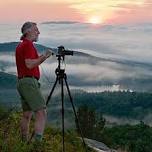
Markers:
26,27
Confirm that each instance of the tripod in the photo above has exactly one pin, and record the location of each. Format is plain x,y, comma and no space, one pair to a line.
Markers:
61,77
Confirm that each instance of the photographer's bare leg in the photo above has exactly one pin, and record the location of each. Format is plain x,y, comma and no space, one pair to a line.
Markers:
25,121
40,120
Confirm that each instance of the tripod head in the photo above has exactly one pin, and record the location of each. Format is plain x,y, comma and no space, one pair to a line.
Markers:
61,56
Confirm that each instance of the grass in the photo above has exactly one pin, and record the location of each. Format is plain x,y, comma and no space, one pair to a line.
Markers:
10,140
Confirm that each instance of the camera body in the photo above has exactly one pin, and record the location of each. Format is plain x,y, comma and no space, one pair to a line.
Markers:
62,52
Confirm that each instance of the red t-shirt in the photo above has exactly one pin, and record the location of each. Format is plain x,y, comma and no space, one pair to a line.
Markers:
26,50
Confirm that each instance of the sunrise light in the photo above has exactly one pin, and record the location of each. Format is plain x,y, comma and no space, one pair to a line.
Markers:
95,20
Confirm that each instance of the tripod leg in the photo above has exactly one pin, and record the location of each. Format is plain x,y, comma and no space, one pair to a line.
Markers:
62,95
49,97
76,117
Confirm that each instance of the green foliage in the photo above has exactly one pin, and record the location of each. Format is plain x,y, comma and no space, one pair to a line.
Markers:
10,140
131,138
135,138
120,104
91,124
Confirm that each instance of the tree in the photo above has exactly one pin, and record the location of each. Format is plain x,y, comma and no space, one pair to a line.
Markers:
90,123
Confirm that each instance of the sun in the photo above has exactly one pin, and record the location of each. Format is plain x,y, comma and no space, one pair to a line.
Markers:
95,20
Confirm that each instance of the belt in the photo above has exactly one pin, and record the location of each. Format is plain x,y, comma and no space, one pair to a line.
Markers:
29,77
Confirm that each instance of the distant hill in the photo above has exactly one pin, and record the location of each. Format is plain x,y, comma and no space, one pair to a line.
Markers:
7,81
120,104
8,91
10,46
59,22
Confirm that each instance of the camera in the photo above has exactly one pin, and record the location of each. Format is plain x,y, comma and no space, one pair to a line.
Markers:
62,52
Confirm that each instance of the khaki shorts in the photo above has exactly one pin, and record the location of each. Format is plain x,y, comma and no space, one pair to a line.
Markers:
31,96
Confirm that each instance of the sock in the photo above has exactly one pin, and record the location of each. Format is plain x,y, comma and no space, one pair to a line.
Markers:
38,137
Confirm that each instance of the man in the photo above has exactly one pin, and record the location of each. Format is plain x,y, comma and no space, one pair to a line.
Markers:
28,61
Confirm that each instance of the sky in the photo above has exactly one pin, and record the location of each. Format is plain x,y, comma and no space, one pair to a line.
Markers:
92,11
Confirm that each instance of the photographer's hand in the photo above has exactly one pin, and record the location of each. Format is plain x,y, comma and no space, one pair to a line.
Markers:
48,53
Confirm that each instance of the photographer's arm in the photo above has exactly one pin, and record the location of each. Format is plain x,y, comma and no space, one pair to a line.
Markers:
31,63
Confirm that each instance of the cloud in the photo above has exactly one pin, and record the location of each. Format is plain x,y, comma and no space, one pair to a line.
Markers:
120,121
97,88
7,58
51,1
103,8
105,40
11,70
124,52
89,72
86,71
